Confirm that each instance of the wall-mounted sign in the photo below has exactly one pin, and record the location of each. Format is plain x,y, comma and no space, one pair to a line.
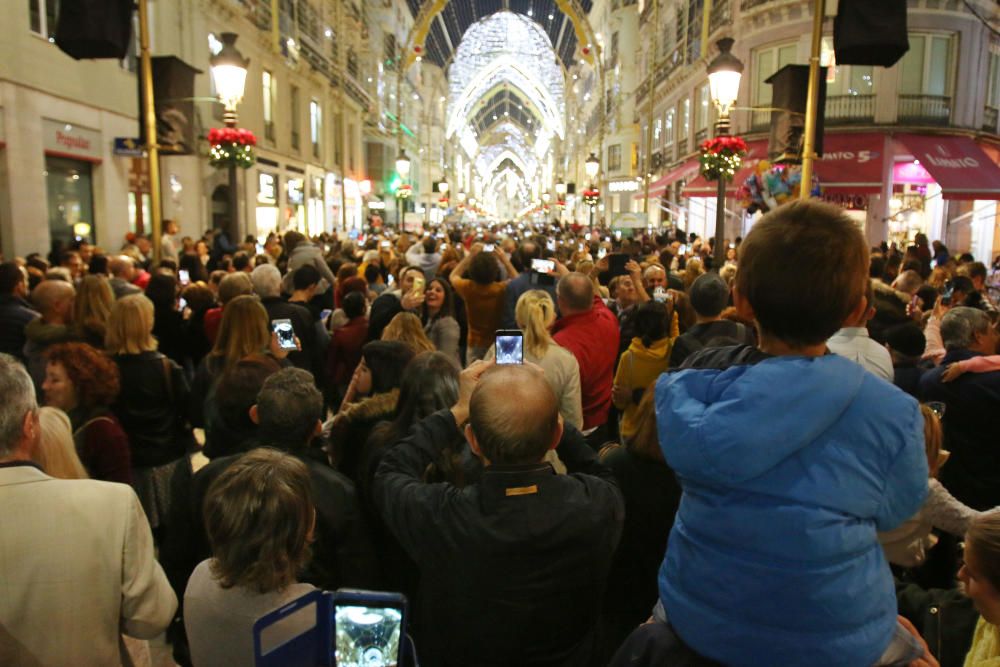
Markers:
267,188
630,185
628,220
68,140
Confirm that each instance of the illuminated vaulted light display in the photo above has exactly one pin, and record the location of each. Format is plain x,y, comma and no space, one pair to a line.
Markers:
505,49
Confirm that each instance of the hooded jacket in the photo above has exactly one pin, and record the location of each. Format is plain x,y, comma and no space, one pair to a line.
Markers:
638,369
788,466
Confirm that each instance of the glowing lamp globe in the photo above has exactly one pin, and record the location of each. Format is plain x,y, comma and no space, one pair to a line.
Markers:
229,72
724,74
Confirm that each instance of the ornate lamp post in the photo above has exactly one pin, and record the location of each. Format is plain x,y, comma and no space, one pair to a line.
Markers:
229,74
724,73
592,166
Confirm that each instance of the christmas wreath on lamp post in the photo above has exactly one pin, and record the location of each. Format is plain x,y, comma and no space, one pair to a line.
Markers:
591,196
721,157
231,146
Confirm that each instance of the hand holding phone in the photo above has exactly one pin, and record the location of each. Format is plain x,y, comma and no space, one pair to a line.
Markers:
184,276
489,247
509,346
369,627
286,334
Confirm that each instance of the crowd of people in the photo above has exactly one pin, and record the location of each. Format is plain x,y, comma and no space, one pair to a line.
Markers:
784,460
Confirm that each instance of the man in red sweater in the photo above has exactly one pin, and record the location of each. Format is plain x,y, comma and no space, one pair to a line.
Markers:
590,331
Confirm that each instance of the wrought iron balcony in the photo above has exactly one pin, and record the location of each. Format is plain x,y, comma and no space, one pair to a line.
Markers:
990,118
842,109
924,109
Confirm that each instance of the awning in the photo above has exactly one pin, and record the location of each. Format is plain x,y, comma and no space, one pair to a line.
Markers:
958,165
659,187
851,163
699,187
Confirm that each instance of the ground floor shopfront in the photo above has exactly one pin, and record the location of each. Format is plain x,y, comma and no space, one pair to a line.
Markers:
61,179
895,184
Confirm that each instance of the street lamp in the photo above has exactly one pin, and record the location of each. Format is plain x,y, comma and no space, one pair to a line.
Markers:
229,74
724,73
561,189
443,187
460,197
546,197
592,165
403,165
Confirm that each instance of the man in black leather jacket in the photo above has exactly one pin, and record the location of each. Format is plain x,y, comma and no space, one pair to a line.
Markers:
513,568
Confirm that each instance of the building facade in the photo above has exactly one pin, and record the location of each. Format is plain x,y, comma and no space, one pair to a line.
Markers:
308,93
942,95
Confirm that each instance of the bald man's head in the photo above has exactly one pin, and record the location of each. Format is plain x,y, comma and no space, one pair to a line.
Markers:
575,293
53,297
514,415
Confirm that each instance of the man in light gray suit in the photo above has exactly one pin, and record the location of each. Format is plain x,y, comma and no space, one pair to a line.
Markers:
76,556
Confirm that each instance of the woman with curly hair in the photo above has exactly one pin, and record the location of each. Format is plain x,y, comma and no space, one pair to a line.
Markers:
84,383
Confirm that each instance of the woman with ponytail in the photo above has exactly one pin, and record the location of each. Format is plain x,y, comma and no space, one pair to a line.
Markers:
535,312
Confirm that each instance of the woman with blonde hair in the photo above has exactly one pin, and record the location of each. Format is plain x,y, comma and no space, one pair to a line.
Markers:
92,308
692,269
535,312
151,405
55,451
406,328
245,330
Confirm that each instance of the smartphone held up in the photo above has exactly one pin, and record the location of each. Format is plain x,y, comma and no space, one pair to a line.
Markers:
286,334
509,347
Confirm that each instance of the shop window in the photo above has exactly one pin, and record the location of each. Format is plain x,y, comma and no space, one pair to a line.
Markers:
683,124
315,126
704,110
695,18
657,129
270,92
615,158
925,79
928,67
42,16
295,124
766,62
668,125
69,190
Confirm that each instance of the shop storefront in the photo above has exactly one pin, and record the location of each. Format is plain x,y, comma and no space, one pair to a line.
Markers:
354,201
295,198
619,196
266,204
71,153
316,218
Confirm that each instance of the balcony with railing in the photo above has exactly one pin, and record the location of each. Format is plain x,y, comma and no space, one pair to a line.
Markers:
990,117
843,109
746,5
924,109
722,15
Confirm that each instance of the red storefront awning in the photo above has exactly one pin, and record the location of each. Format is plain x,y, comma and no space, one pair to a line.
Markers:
958,165
659,187
851,163
699,187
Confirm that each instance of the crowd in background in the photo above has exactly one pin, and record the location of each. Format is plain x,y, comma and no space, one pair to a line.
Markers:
813,415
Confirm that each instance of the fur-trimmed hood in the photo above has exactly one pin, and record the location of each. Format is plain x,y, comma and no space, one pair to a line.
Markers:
373,408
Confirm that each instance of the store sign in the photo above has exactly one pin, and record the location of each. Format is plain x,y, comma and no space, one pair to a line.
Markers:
851,202
65,139
628,220
267,189
630,185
